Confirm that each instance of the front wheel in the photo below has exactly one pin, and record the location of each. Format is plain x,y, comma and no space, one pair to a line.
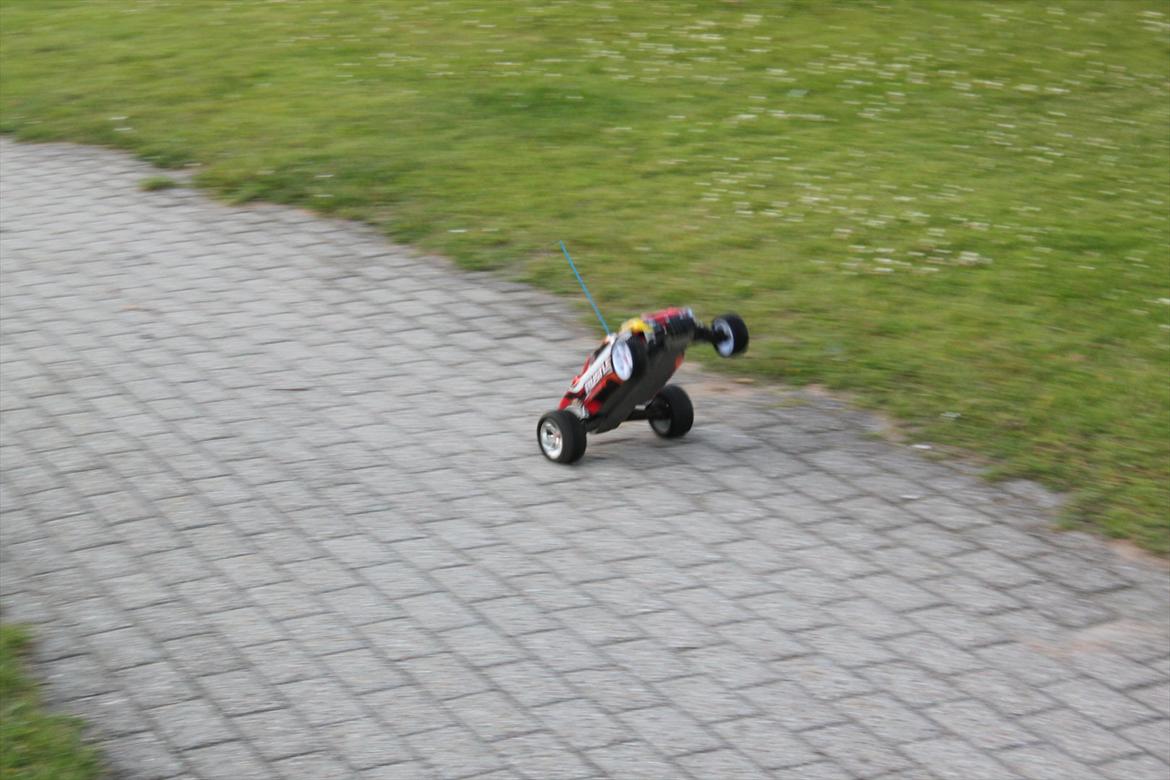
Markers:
676,412
561,436
731,334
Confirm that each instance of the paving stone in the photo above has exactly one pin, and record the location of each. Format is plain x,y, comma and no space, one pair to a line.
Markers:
953,759
279,662
1077,735
761,641
246,626
529,683
822,677
1063,605
211,595
444,675
615,690
438,612
364,744
912,684
400,639
870,618
563,651
226,761
277,734
1102,704
75,677
670,730
1002,692
823,770
410,770
138,590
722,763
454,752
1136,768
142,757
550,593
633,760
408,710
320,766
471,584
598,626
321,702
931,540
894,593
856,751
110,714
846,647
191,724
979,724
240,692
792,706
887,718
539,755
1122,673
676,630
321,575
251,571
1044,762
124,647
363,671
321,634
1021,661
727,665
706,700
516,616
582,724
1152,737
766,742
934,653
157,684
492,716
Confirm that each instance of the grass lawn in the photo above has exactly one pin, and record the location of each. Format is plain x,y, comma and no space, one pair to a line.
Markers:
959,212
33,744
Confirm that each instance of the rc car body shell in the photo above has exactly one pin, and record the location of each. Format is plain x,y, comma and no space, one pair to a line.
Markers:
629,368
626,379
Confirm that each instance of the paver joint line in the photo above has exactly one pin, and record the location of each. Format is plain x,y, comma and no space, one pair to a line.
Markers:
238,517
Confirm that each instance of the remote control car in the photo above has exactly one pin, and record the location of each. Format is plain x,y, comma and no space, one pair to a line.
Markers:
626,379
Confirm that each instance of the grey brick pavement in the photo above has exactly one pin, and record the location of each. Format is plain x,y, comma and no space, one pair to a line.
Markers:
263,527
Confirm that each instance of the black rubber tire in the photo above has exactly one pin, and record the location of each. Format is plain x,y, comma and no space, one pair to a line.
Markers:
569,433
680,409
733,324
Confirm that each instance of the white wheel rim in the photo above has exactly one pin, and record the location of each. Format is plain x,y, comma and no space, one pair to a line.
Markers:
726,343
623,360
551,440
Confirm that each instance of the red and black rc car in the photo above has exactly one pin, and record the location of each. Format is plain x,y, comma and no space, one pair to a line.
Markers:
625,379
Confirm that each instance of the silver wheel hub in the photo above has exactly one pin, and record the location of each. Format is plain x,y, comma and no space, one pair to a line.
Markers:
551,440
662,424
726,339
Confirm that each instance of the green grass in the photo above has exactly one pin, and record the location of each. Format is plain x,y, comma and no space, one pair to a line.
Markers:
33,744
156,183
956,211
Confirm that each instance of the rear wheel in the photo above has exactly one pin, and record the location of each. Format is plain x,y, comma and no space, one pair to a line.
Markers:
561,436
731,334
678,413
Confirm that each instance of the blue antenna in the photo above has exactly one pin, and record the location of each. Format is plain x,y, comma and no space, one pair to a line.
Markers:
596,310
